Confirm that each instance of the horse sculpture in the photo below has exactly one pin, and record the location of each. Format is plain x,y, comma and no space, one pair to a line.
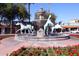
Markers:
22,27
48,24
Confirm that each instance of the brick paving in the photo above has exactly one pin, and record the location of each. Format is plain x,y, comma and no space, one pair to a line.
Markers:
8,45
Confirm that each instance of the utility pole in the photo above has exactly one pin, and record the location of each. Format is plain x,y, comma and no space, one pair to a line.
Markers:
29,10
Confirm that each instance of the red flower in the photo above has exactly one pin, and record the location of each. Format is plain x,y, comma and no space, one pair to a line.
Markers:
74,51
57,51
71,54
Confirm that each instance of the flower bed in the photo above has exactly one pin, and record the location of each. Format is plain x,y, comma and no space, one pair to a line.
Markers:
50,51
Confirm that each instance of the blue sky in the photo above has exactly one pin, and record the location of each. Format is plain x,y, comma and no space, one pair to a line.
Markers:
63,11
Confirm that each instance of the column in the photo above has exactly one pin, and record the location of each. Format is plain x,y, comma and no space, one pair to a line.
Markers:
2,30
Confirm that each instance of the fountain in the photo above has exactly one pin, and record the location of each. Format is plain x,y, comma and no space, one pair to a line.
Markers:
40,33
28,36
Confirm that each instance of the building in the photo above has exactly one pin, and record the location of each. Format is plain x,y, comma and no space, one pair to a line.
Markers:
41,17
40,14
71,25
7,28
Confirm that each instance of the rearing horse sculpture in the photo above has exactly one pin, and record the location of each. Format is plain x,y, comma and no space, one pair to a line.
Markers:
48,24
22,27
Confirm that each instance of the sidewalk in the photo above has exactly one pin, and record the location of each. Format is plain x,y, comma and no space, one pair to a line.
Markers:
9,45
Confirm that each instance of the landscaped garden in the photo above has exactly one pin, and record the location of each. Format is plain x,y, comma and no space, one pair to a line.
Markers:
50,51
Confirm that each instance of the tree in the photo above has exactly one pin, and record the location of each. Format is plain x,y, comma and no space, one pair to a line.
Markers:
16,10
2,10
53,17
10,11
46,15
21,11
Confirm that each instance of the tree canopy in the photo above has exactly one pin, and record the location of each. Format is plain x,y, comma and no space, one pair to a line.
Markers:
53,16
10,11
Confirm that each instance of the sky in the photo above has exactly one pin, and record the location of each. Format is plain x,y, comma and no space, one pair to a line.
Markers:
63,11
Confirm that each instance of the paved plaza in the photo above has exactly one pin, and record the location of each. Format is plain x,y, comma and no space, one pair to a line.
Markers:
8,45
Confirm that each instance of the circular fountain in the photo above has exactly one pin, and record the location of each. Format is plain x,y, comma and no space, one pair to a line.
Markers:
39,37
40,33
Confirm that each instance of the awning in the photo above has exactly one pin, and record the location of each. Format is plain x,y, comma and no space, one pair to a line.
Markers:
70,26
